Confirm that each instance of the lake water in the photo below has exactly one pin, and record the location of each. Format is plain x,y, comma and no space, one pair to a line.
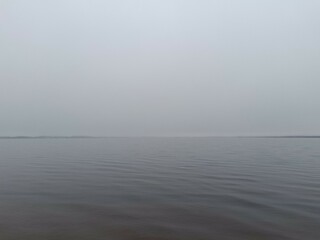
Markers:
160,188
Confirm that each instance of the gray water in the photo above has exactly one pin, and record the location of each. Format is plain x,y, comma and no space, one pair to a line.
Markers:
159,188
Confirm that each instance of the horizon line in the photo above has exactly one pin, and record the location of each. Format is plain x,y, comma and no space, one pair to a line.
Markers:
188,136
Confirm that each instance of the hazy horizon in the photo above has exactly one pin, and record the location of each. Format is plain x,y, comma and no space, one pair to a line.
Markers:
159,68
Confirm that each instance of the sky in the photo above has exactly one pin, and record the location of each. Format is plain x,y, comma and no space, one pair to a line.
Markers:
159,67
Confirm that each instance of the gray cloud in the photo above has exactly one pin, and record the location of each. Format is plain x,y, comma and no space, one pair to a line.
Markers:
168,67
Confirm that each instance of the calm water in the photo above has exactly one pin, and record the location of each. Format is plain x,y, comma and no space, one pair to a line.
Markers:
159,188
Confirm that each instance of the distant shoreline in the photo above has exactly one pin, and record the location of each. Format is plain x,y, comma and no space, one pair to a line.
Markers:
45,137
97,137
283,137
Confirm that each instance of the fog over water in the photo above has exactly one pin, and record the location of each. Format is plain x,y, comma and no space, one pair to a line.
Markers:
163,68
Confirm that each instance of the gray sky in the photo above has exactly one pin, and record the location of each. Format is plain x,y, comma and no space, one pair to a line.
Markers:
159,67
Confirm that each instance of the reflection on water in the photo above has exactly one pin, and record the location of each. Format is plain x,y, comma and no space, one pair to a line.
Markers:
159,188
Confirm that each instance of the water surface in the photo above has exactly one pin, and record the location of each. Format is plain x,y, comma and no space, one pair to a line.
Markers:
160,188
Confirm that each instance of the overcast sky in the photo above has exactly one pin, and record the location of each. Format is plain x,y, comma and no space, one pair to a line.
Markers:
159,67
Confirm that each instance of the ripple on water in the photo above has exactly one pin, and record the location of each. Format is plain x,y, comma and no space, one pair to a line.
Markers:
179,188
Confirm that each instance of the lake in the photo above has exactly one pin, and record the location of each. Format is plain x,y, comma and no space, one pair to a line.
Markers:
160,188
